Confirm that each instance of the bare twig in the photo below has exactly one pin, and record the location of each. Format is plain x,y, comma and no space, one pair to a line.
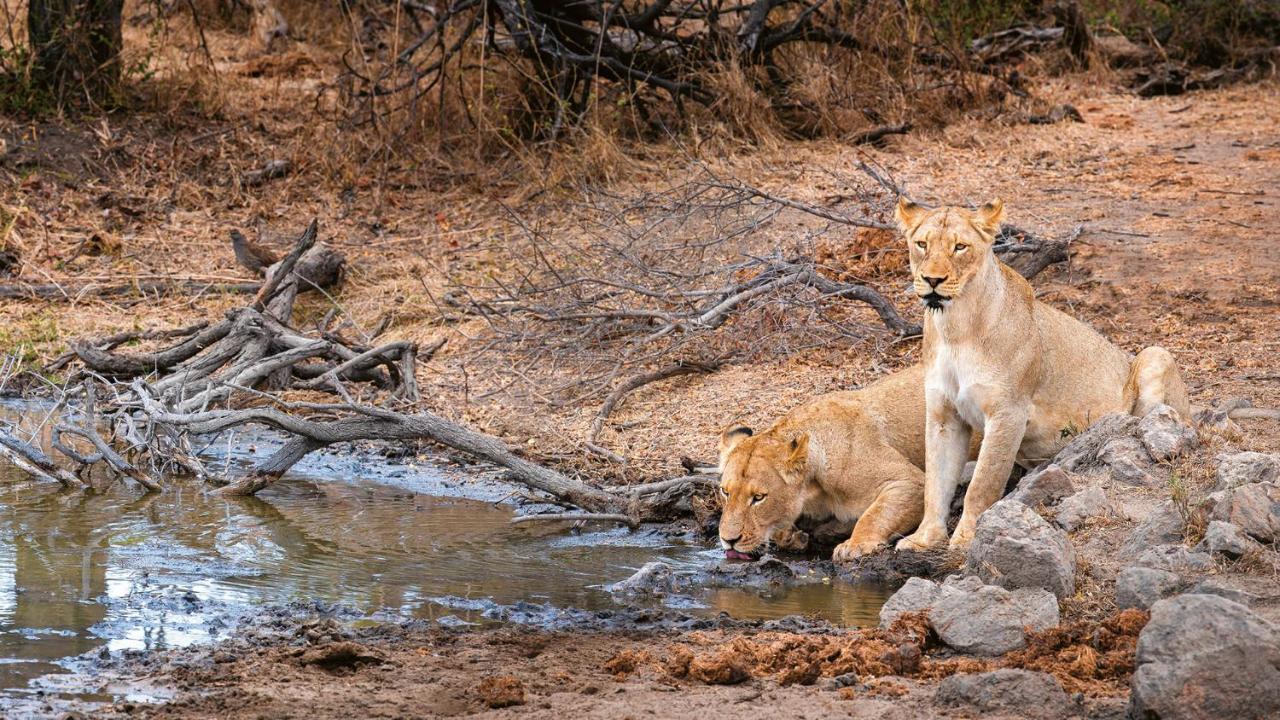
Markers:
675,370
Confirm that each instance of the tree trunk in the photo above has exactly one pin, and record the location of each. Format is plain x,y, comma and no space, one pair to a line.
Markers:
76,45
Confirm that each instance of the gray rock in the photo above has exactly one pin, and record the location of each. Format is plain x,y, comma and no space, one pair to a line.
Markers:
1219,417
1164,525
1045,486
1021,693
1174,558
991,620
1165,435
1079,508
1081,453
1128,461
1141,587
1213,586
962,583
1223,538
917,595
654,578
768,571
1243,468
1203,656
1254,508
1014,547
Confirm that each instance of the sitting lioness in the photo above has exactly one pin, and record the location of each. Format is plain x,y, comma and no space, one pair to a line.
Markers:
854,454
997,360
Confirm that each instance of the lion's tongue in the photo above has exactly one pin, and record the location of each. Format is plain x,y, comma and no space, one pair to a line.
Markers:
735,555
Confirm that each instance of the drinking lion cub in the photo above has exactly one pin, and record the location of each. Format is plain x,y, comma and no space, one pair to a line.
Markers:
854,454
999,361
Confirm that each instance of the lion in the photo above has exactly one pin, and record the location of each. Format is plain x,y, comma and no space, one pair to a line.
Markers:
997,360
852,454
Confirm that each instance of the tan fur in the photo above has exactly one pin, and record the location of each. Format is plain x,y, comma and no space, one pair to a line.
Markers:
1001,362
855,454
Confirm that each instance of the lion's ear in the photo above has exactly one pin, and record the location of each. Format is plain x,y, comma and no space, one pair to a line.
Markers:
908,214
730,438
989,216
798,460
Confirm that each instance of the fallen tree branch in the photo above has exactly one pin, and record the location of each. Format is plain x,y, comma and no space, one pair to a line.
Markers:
32,461
148,288
876,136
653,488
367,423
89,431
577,517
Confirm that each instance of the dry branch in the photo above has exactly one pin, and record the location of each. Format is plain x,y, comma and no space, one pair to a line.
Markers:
32,461
145,288
577,517
675,370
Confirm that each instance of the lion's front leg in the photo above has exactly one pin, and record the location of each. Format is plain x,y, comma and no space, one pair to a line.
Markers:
894,512
1001,437
946,449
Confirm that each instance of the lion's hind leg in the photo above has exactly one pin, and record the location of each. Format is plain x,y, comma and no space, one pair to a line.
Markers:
1154,379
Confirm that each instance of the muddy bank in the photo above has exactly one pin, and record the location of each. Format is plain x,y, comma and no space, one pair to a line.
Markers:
633,661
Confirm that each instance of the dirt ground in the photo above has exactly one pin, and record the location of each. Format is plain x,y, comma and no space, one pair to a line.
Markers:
1174,195
393,671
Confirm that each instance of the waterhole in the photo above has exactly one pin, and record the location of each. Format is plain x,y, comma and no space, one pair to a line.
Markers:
123,570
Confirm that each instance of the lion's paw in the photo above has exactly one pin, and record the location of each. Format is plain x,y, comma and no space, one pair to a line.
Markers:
923,539
849,551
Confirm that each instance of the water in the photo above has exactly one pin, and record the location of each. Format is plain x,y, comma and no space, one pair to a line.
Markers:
82,571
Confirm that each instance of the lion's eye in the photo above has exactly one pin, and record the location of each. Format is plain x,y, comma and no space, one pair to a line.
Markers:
922,245
961,247
755,499
724,491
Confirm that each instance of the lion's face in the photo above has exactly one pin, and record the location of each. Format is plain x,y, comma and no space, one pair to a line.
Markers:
947,246
761,483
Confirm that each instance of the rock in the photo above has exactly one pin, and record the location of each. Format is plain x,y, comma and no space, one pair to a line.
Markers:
1174,558
1223,538
1018,693
1203,656
991,620
1254,508
767,570
1082,452
1079,508
1244,468
654,578
1162,526
1141,587
917,595
1219,416
1043,487
1165,435
1212,586
1128,461
1014,547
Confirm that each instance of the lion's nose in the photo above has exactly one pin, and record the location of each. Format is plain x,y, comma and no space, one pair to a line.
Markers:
934,282
730,541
